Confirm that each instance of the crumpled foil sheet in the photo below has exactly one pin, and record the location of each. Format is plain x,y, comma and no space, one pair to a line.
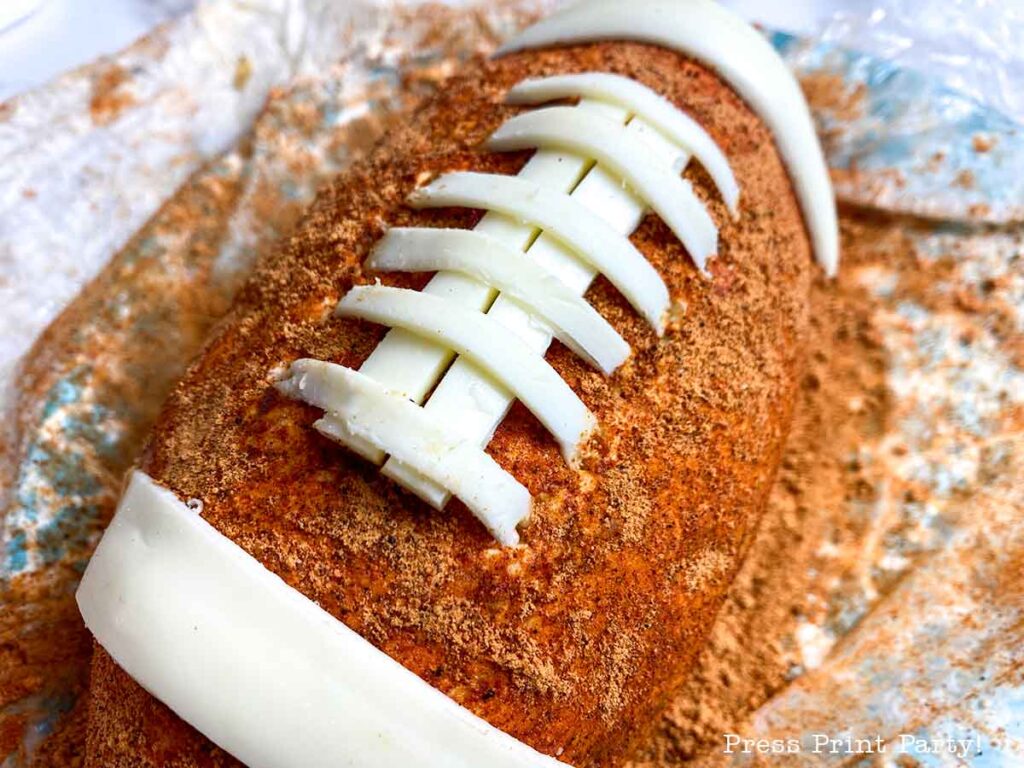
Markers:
974,47
917,156
919,632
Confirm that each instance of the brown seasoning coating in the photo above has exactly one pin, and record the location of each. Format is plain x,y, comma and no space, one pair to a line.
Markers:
574,641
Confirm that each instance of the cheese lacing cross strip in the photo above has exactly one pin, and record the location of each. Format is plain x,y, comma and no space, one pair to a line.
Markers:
548,232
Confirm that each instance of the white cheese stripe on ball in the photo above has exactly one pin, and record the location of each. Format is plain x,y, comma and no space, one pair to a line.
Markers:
586,233
256,666
401,428
412,365
570,317
490,345
465,394
741,56
629,158
649,105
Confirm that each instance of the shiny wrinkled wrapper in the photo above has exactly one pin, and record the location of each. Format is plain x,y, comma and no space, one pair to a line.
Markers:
154,178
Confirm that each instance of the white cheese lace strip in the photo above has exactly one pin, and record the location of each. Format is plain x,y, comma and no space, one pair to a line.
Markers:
402,429
568,315
412,365
490,345
465,395
257,667
628,157
589,236
711,33
644,103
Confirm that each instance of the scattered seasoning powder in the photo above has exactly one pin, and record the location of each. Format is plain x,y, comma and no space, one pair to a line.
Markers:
111,94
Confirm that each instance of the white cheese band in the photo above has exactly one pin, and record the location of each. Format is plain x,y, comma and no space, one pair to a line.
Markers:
588,234
640,100
257,667
489,345
403,429
716,36
572,320
628,157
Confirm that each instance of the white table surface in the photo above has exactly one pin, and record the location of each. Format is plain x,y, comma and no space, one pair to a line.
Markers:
63,34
